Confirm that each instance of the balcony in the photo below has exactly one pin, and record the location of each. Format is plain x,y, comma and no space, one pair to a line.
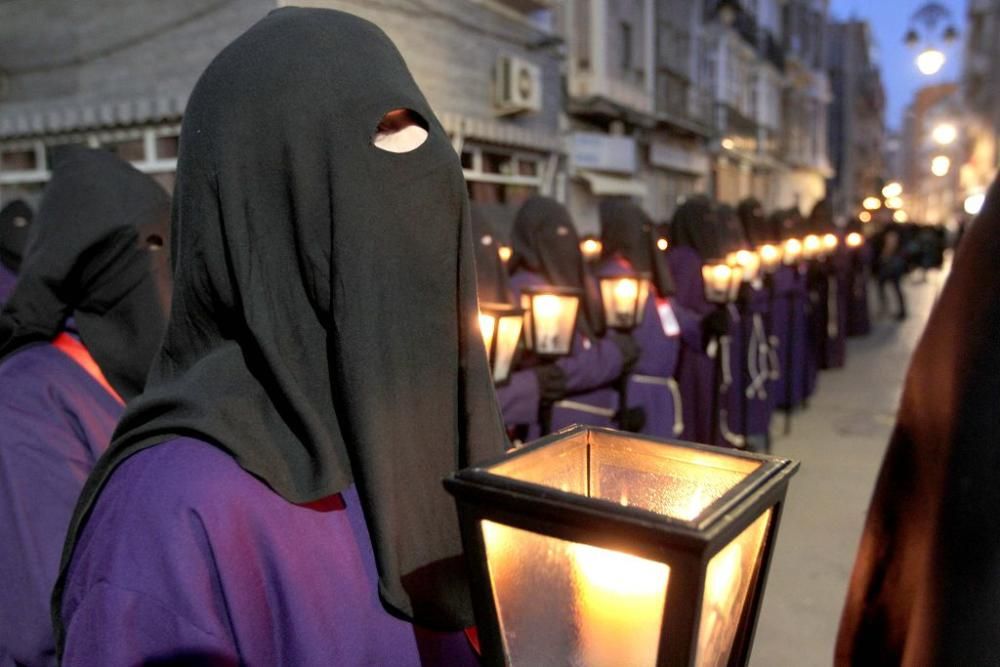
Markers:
731,12
773,51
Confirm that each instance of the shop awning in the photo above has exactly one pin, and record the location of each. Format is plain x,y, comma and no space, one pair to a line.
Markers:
610,185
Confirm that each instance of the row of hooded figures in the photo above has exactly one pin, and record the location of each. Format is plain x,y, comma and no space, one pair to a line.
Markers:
691,368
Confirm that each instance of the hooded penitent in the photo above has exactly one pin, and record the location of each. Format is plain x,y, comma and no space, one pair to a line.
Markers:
544,241
626,231
323,324
926,586
694,226
490,270
758,228
97,253
731,234
15,225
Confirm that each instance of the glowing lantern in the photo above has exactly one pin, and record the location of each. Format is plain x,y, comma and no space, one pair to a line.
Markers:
900,216
792,251
829,242
930,61
596,547
624,298
550,319
854,240
722,281
893,189
944,134
505,251
872,203
974,203
812,246
865,216
770,257
894,203
748,261
501,327
662,244
590,248
941,165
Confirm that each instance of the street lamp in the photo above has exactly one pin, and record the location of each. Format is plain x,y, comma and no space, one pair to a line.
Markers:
893,189
871,203
930,61
940,165
944,134
924,28
550,319
590,248
624,298
501,326
597,547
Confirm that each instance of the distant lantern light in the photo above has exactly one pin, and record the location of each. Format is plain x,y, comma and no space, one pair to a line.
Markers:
624,299
900,216
865,216
872,203
941,165
854,240
893,189
662,244
590,248
974,203
501,326
748,261
550,319
728,144
812,245
505,251
722,281
792,251
770,257
944,134
894,203
930,61
829,242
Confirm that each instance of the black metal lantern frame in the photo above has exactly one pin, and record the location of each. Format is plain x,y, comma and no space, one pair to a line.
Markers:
629,317
539,338
564,489
508,322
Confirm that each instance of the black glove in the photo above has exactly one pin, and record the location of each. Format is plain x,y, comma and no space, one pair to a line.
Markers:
715,324
551,382
629,349
632,419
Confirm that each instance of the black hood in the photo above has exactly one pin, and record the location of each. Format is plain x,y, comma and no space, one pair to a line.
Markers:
324,328
695,225
15,225
626,231
98,251
490,270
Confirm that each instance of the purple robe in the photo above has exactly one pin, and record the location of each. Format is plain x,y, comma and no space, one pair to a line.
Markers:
7,281
651,385
790,324
188,557
55,421
696,372
747,403
590,370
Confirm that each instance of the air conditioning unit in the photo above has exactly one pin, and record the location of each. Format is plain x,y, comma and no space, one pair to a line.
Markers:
517,86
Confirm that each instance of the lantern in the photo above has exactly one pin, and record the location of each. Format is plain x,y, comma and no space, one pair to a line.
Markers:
505,252
854,240
590,248
792,251
722,281
550,319
770,257
662,244
829,243
501,326
812,245
624,298
748,261
597,547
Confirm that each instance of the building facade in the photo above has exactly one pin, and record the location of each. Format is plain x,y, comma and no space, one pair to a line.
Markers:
490,69
857,132
981,89
933,166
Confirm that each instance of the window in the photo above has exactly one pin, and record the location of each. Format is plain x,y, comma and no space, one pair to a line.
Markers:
24,159
497,176
626,46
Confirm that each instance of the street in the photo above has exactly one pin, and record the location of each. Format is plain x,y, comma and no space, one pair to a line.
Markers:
839,440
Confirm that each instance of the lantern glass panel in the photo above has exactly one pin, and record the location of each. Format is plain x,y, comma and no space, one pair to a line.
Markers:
624,299
615,601
552,322
508,331
487,325
728,580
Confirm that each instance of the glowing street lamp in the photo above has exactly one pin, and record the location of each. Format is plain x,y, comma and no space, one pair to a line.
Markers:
941,165
722,282
872,203
770,257
930,61
792,251
550,319
974,203
590,248
893,189
944,134
505,252
501,326
624,298
597,547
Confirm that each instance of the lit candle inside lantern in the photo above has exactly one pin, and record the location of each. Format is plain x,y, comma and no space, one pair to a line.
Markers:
829,242
621,602
811,246
487,325
770,257
591,249
793,250
505,251
624,298
662,244
721,281
854,240
546,314
749,261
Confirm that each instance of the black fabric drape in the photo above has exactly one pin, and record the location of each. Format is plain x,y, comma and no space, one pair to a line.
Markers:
758,227
15,225
627,231
490,270
97,252
323,328
731,234
545,241
695,225
926,583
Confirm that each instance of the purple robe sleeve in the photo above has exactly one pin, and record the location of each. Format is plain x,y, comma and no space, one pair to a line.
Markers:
519,399
55,421
593,364
7,281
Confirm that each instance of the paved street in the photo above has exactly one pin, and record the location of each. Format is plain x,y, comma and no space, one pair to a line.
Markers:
840,440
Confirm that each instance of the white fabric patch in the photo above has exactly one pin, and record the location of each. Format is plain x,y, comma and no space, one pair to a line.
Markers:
668,320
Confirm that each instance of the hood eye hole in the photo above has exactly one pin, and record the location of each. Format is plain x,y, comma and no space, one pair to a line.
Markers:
154,242
400,131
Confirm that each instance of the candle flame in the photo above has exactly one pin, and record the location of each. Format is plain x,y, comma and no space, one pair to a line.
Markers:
591,248
617,572
487,325
547,305
626,289
769,253
829,241
811,243
505,252
662,244
854,239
